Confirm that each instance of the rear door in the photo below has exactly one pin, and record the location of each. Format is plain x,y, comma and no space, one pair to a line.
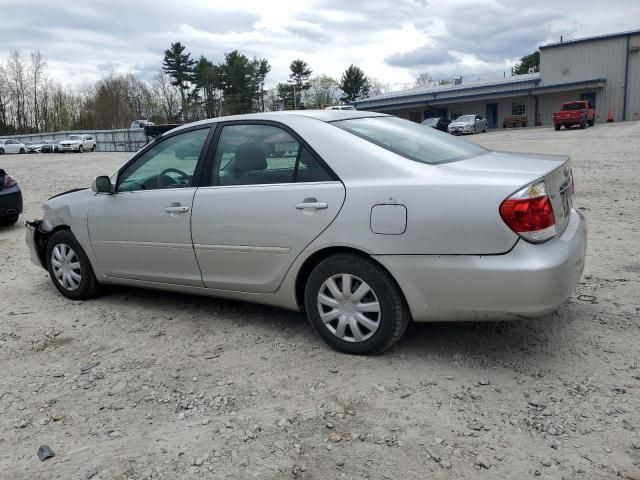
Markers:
267,197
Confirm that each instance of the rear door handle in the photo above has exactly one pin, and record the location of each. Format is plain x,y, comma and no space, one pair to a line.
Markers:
315,205
176,209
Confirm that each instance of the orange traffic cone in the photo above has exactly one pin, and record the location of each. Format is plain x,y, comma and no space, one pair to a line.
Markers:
610,116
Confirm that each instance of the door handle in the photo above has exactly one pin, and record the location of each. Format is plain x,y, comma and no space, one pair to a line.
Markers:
176,209
312,204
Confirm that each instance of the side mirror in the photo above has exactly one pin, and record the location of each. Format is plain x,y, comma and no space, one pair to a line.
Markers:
102,184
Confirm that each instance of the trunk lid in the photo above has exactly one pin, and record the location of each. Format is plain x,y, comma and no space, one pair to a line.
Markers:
555,170
567,115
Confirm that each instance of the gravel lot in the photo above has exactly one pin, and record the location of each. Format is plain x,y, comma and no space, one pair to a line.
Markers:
138,384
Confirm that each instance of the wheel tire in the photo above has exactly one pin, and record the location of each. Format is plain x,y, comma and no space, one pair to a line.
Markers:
9,220
582,125
88,286
392,317
93,149
591,122
80,149
1,151
557,126
22,150
484,130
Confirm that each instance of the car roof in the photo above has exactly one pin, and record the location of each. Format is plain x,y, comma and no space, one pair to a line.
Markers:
322,115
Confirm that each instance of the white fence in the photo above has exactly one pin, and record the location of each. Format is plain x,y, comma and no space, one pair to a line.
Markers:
123,140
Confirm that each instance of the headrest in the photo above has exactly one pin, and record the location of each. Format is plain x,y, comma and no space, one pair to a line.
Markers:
249,156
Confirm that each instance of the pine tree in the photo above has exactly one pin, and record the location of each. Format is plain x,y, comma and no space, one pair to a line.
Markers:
354,83
179,66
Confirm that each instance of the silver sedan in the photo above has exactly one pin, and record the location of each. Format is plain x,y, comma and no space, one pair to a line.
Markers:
363,220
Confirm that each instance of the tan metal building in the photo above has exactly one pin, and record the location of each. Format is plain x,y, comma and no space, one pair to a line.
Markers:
605,70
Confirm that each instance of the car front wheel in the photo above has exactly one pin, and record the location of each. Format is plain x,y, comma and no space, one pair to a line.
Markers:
80,149
69,267
355,305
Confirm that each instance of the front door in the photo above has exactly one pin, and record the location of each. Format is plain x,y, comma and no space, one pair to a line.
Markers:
269,196
492,115
142,230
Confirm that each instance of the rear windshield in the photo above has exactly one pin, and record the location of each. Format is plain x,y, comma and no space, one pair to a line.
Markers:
411,140
573,106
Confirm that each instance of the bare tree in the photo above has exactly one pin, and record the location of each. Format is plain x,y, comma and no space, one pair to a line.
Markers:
17,82
37,72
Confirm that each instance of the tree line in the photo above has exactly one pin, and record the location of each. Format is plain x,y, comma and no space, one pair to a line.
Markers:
185,89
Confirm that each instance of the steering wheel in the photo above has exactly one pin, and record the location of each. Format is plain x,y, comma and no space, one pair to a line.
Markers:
164,180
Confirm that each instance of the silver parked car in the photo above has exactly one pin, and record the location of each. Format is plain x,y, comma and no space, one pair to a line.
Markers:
468,124
362,219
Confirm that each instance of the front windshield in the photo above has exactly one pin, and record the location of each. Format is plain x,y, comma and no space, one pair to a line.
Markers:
74,137
466,118
411,140
430,121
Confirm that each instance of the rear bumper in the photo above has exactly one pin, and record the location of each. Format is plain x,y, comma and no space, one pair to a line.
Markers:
529,281
569,121
10,201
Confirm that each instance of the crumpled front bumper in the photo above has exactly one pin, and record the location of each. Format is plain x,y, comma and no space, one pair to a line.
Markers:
32,238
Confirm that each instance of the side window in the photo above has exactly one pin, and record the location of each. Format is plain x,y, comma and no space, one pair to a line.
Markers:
169,164
262,154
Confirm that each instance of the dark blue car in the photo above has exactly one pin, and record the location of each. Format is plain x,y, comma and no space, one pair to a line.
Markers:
10,199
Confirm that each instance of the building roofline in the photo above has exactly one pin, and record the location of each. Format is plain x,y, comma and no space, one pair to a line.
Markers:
513,92
594,38
439,91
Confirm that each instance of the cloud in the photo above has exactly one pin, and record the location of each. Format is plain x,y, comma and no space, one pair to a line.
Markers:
392,40
422,56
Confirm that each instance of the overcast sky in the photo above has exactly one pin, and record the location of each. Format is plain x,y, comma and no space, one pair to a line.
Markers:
392,40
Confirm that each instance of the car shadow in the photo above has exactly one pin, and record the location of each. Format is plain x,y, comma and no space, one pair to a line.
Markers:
527,344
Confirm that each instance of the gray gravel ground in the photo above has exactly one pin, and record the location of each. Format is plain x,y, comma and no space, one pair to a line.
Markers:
139,384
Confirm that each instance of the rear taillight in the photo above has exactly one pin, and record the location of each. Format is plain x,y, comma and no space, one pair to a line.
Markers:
9,181
529,213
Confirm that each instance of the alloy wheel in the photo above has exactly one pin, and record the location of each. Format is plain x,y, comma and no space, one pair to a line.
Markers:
349,308
66,266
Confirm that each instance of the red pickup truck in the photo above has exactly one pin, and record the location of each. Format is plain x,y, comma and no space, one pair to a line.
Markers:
574,113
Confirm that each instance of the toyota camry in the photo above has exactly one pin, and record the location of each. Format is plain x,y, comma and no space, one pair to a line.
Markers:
365,221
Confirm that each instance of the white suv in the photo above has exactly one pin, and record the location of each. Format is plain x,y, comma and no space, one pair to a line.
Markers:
78,143
11,146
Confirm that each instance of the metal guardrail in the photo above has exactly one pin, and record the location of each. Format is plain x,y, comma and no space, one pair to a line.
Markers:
122,140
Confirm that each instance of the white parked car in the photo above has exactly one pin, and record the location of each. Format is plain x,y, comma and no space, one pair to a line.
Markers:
468,124
78,143
361,219
141,124
10,145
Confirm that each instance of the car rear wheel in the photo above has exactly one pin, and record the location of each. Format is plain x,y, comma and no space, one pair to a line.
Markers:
93,149
69,267
355,305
